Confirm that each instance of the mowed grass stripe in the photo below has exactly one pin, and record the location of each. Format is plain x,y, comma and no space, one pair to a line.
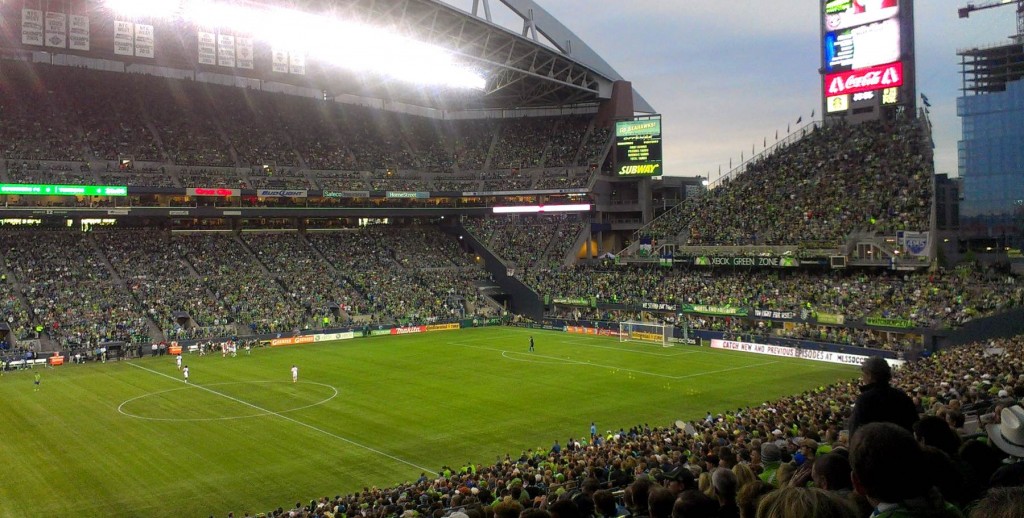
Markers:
416,397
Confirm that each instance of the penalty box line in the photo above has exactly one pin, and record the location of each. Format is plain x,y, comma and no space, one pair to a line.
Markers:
289,419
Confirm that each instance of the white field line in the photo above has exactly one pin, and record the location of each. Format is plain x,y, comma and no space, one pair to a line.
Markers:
634,371
289,419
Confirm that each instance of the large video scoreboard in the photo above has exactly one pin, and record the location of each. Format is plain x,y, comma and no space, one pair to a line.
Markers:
638,147
867,57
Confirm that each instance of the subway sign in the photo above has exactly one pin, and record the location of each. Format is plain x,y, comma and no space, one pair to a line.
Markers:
638,147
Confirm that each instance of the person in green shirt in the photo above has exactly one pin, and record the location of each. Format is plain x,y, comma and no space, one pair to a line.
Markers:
771,459
38,378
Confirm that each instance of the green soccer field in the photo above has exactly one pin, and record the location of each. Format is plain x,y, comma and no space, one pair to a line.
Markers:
131,439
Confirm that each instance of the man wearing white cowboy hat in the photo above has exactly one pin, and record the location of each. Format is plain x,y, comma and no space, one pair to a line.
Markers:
1008,435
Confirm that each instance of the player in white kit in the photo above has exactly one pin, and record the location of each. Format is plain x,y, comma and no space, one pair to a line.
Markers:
295,374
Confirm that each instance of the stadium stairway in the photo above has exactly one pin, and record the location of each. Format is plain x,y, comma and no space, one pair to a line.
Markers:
316,251
255,257
155,333
106,262
521,296
581,239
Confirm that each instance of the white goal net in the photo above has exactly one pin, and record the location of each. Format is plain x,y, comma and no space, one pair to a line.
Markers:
646,332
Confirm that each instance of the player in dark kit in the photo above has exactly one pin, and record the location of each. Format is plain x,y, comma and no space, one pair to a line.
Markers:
531,344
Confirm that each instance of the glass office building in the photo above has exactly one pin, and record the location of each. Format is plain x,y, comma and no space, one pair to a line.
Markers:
991,154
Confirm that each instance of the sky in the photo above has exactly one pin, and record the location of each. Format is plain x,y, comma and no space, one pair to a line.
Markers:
727,75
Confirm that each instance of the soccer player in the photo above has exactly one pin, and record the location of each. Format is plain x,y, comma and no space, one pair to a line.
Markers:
177,361
531,344
185,373
295,374
38,378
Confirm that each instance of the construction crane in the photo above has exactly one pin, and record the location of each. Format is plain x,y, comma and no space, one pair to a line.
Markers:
965,12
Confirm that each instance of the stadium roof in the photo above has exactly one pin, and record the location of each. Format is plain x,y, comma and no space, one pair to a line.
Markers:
543,65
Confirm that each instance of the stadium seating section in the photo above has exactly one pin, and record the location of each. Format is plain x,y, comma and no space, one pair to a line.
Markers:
191,134
839,179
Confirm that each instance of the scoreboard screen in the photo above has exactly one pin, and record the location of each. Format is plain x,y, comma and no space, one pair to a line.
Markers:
638,147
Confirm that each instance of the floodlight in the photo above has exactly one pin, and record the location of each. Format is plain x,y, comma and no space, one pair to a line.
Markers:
322,38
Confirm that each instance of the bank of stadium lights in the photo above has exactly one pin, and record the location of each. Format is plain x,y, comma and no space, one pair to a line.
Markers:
322,38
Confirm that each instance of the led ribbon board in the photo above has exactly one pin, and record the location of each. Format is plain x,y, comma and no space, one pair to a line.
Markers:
27,189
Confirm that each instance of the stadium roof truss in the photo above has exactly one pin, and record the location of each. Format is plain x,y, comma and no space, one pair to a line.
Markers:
522,70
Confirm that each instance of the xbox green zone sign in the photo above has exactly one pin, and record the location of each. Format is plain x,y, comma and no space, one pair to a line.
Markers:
27,189
638,147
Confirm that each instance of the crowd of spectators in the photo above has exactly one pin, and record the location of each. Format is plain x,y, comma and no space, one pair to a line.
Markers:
241,287
182,117
70,290
48,173
758,330
215,284
564,178
36,124
412,274
529,242
142,177
789,457
250,121
110,112
164,285
341,180
308,279
212,177
838,179
14,313
286,179
471,144
72,114
928,299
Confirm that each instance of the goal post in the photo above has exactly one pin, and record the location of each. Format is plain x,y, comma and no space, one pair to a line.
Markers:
646,332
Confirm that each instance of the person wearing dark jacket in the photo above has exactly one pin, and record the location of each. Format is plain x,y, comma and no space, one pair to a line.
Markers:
880,402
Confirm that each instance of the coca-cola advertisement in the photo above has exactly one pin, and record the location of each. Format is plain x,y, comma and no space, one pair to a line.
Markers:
842,14
866,80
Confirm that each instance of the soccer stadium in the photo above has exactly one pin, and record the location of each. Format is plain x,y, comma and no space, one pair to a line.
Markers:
395,259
